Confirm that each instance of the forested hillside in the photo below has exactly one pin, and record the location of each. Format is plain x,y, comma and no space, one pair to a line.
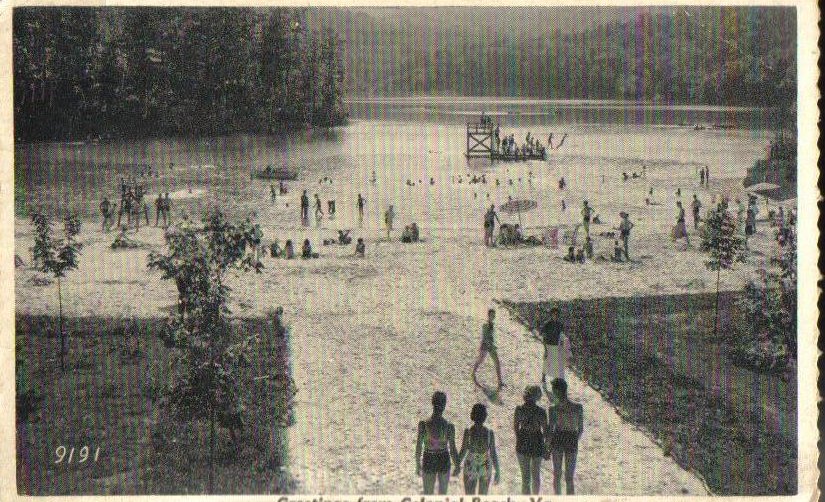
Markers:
696,55
82,72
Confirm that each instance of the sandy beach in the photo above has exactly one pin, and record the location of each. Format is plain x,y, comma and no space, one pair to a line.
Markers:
372,338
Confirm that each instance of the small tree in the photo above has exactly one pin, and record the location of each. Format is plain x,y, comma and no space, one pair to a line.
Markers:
56,257
207,382
721,240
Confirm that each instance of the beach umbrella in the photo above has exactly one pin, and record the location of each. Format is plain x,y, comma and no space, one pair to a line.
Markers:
518,206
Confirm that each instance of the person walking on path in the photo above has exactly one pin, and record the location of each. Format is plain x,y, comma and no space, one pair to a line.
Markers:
304,209
556,348
361,203
319,211
564,429
389,216
530,424
624,231
697,207
490,219
681,229
478,452
158,208
488,346
587,212
434,447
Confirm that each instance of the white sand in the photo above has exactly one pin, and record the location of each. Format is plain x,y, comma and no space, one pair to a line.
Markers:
373,338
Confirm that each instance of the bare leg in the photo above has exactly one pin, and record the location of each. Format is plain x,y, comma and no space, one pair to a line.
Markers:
570,470
482,354
483,486
429,483
494,357
524,465
535,474
469,485
557,458
443,482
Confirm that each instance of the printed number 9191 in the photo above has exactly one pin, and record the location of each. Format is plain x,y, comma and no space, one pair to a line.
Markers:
82,454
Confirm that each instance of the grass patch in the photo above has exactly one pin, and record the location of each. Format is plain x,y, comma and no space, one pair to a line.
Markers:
657,359
111,397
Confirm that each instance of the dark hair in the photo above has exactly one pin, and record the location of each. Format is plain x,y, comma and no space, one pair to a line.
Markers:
559,386
479,413
491,311
439,402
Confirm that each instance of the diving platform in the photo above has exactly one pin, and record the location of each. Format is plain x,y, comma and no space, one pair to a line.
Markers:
483,142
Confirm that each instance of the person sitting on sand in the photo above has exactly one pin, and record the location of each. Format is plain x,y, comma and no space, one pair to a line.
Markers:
571,255
289,250
360,248
344,237
478,451
435,447
275,250
580,256
624,176
565,425
597,220
306,250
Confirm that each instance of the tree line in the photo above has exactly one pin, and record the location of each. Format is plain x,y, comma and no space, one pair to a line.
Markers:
690,55
115,72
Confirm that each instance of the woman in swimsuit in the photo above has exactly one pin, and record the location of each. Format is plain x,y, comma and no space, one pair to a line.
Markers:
437,437
478,451
530,422
564,428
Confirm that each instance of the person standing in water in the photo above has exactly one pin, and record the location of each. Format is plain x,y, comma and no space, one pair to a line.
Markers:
478,451
434,447
490,219
624,231
530,424
361,203
488,346
564,428
389,217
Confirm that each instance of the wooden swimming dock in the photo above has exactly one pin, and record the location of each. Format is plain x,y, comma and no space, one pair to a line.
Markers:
483,143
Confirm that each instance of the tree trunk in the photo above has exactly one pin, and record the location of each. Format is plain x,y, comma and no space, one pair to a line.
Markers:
716,311
60,324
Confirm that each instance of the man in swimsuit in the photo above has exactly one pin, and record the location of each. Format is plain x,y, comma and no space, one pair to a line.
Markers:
490,219
304,208
624,231
565,425
697,206
435,447
488,346
587,211
104,212
361,202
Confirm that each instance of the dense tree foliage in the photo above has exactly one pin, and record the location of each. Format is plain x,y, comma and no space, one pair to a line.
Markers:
695,55
82,72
